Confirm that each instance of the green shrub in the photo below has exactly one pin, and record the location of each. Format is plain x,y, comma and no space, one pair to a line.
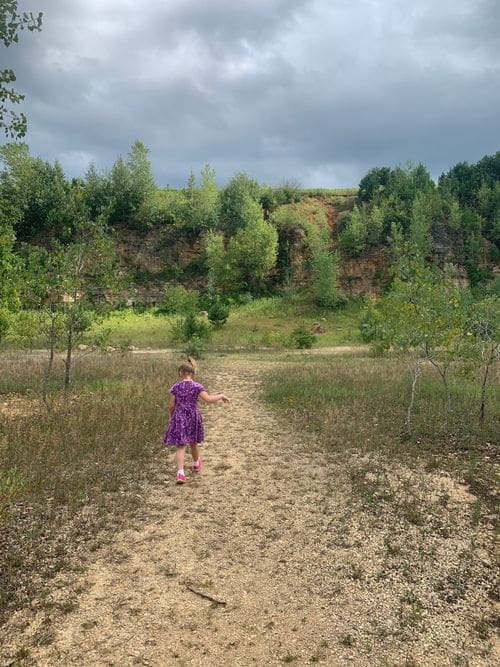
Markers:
4,322
194,347
368,323
302,339
187,328
325,292
179,300
218,313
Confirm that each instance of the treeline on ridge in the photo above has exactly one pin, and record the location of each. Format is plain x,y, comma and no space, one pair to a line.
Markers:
256,238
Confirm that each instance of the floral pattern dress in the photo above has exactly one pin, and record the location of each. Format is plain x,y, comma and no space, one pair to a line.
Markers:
186,425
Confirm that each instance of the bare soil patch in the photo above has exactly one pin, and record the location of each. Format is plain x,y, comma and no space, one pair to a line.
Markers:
271,556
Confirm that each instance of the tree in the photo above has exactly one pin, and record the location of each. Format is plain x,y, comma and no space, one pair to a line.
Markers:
98,191
373,185
424,314
301,227
221,272
248,257
13,124
482,340
324,283
132,188
142,183
354,237
420,225
121,189
35,192
234,201
253,249
8,274
70,285
202,203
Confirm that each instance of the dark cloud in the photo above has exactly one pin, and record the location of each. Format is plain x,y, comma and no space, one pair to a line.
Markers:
316,90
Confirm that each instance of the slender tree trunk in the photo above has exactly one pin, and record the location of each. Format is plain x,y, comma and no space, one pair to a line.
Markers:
442,373
484,382
68,360
48,372
415,373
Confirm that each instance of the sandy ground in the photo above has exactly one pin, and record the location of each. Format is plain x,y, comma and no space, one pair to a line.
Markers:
263,559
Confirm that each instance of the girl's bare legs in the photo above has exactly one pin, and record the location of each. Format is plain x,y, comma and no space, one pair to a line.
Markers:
195,452
180,453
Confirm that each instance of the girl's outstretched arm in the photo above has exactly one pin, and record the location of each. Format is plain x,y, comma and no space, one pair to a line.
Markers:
213,398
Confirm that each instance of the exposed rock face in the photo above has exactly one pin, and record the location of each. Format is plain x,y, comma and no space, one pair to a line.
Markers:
157,258
168,255
365,274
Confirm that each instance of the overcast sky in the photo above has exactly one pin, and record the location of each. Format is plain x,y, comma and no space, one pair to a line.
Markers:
318,91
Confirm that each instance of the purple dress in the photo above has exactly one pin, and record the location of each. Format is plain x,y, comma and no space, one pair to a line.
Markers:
186,426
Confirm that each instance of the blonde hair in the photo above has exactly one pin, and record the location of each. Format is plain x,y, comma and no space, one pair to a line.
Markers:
188,367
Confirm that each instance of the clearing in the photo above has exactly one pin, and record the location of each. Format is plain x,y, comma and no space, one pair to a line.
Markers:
264,558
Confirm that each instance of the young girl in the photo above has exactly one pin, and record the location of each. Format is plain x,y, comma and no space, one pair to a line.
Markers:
186,427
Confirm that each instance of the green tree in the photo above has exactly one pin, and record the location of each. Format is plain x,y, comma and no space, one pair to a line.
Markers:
142,182
12,22
8,275
301,228
249,256
482,341
222,273
98,191
353,239
424,314
203,202
252,251
70,284
420,225
133,189
121,189
234,201
474,247
35,193
324,283
372,187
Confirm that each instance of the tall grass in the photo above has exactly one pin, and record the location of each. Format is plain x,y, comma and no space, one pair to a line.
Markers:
112,420
358,405
92,452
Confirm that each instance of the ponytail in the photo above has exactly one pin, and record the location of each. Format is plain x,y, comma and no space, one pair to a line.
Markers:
188,367
192,362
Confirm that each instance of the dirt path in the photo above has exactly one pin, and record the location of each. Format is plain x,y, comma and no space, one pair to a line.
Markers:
256,561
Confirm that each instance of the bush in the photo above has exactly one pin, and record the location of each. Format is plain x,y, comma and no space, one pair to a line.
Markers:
187,328
302,339
325,293
368,323
4,322
195,347
218,313
179,300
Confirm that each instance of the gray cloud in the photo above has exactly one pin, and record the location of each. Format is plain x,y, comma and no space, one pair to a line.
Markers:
316,90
